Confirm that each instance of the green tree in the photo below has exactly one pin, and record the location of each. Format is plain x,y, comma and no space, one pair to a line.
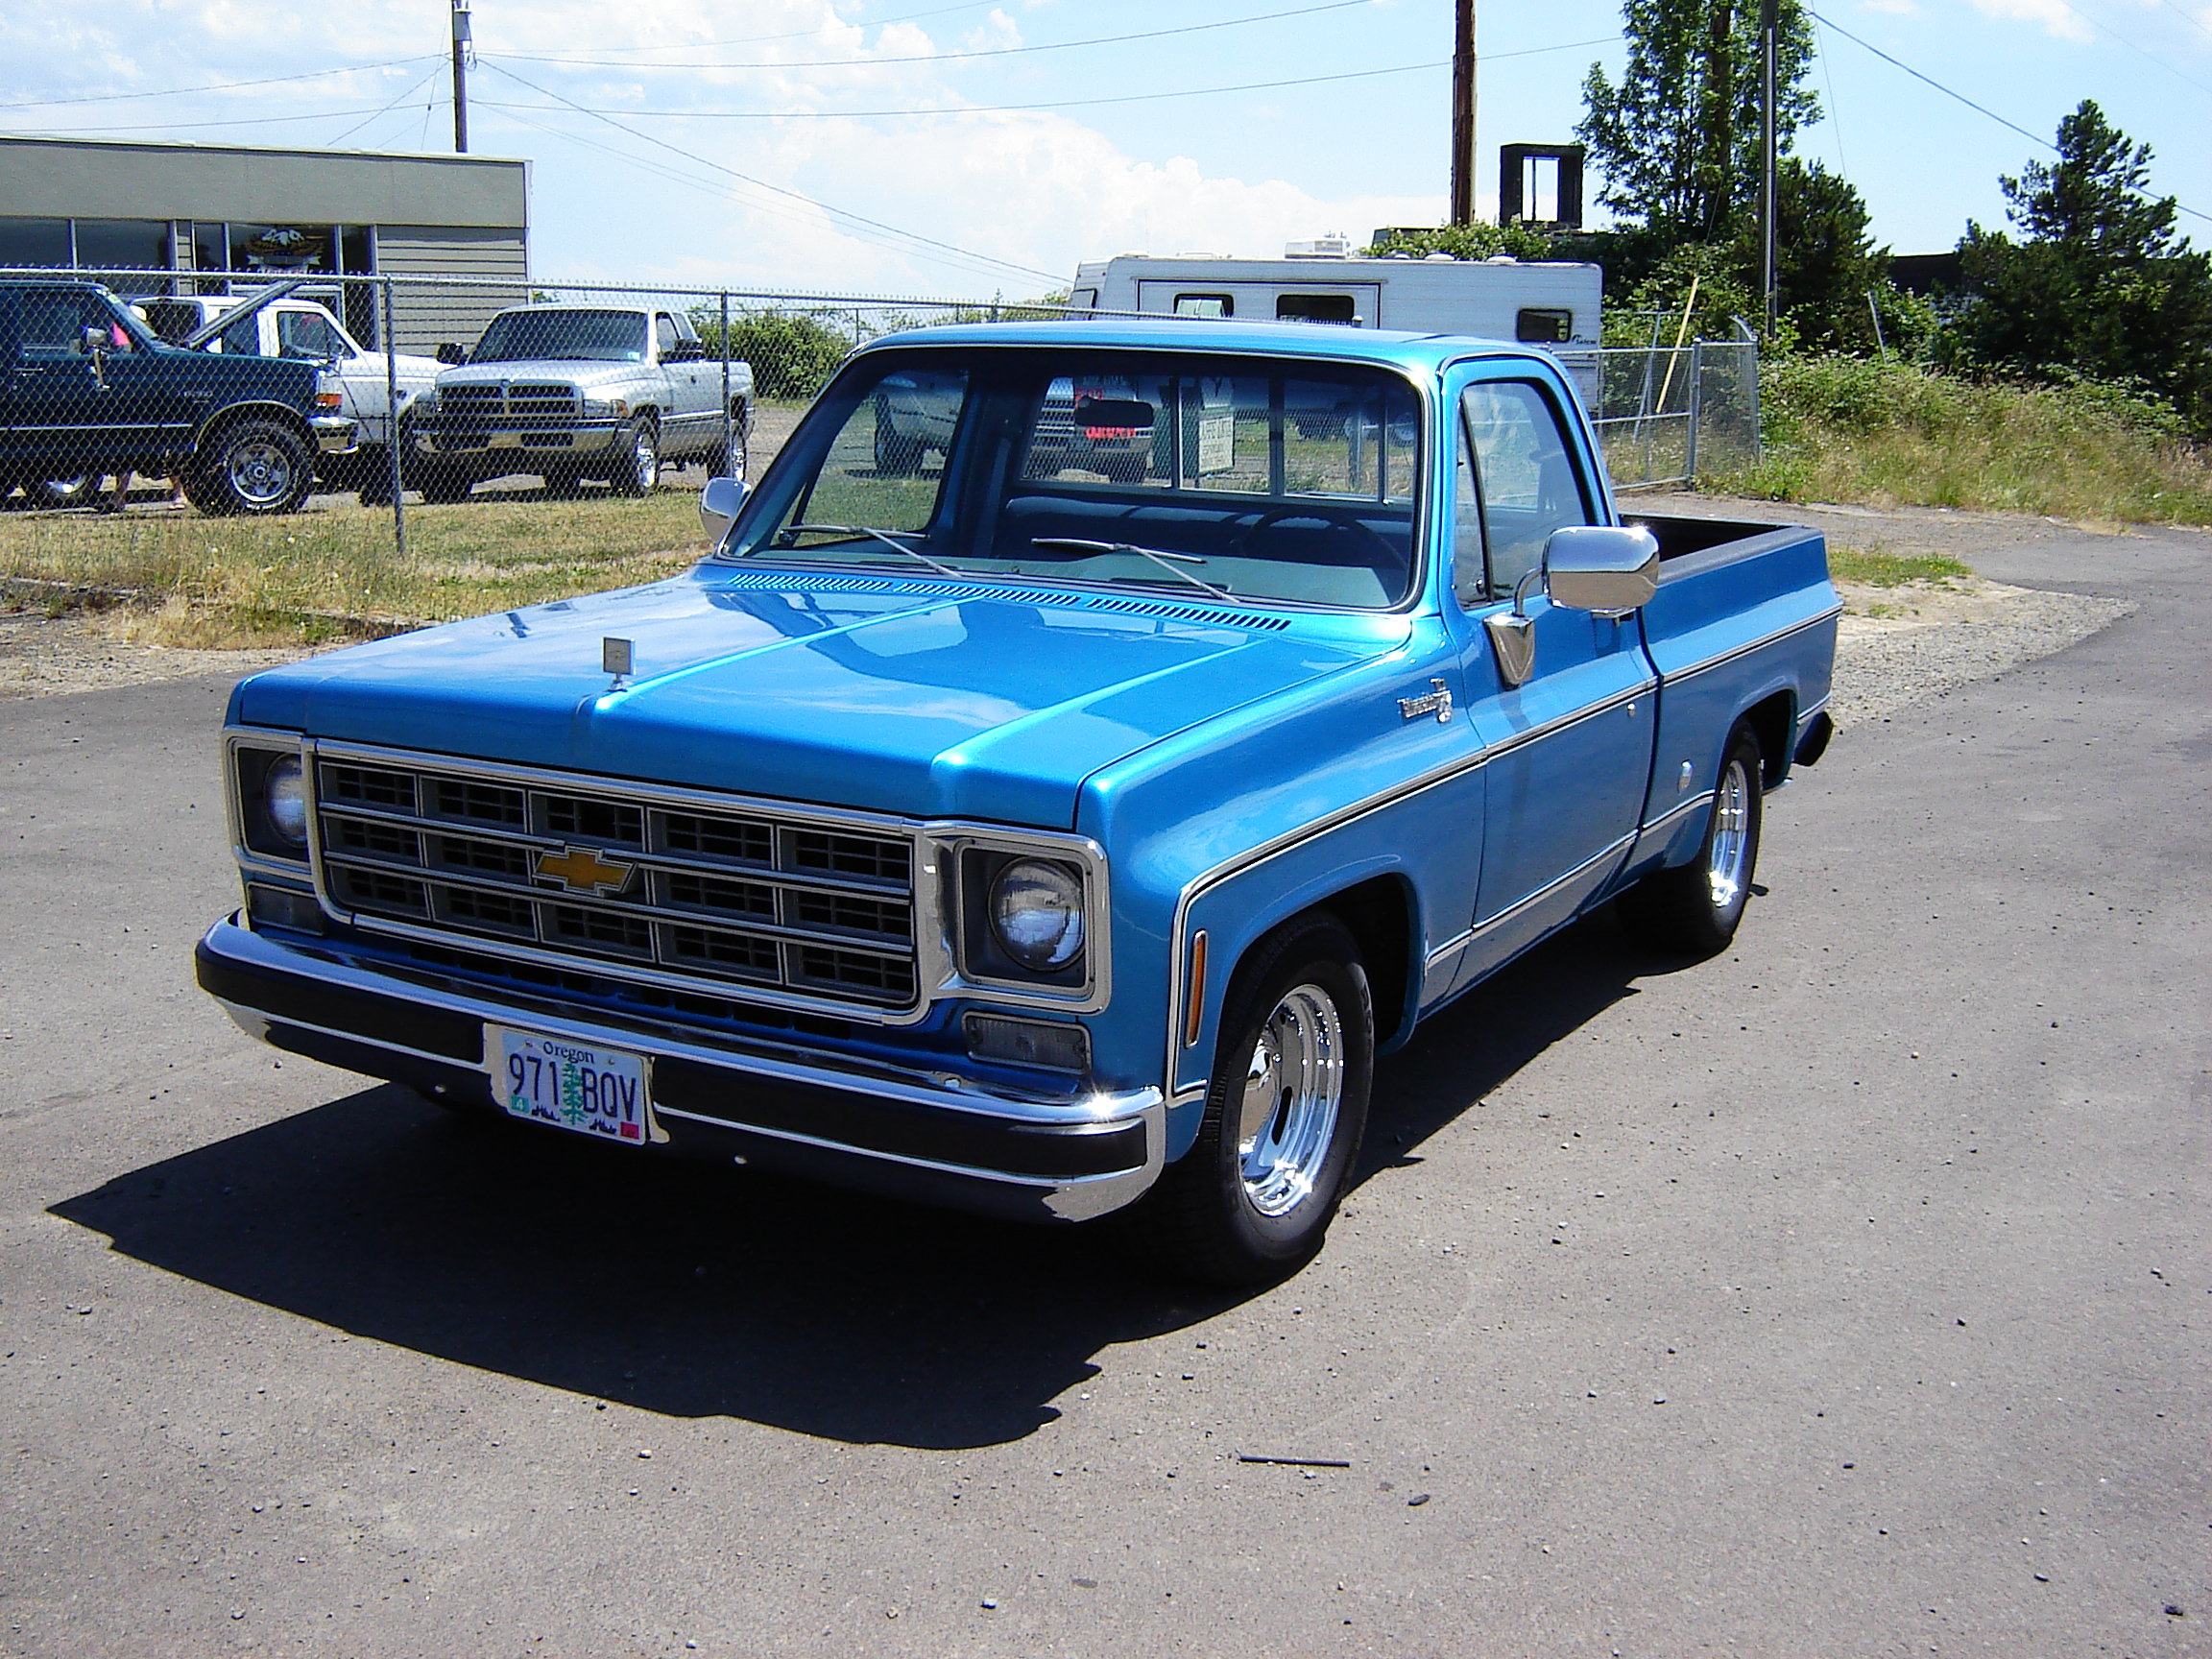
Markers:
1676,141
1825,263
792,353
2099,285
1477,241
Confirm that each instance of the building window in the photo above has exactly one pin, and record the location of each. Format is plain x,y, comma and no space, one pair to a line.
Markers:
34,242
287,248
105,246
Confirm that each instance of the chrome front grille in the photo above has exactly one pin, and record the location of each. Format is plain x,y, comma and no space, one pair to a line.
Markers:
738,897
522,399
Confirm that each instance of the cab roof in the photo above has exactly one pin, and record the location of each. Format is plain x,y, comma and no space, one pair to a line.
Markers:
1383,346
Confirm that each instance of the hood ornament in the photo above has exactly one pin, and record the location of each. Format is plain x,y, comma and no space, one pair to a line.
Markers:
615,656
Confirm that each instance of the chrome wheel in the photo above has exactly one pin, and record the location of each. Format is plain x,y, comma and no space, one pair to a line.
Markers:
1293,1090
644,461
1728,848
261,472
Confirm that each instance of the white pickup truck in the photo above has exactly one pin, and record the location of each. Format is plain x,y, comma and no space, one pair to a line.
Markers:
276,322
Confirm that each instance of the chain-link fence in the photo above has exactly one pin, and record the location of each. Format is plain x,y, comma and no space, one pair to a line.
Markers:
364,398
1668,414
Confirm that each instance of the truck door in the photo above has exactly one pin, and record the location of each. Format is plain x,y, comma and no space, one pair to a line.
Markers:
1569,748
59,415
691,399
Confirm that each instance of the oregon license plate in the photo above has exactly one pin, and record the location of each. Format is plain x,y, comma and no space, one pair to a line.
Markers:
577,1086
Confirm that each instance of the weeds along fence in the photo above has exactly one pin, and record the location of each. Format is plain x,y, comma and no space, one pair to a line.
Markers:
428,512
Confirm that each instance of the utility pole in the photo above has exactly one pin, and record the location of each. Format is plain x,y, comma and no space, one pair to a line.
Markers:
1463,114
461,39
1770,23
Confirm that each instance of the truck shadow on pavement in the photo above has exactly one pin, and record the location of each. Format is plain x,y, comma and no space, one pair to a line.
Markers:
696,1290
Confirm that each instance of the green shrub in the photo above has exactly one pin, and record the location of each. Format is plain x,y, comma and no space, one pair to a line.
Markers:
792,353
1885,432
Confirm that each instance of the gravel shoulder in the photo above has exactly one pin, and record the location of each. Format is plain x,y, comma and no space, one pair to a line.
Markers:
1896,645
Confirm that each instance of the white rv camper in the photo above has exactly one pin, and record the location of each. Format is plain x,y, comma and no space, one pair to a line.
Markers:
1543,303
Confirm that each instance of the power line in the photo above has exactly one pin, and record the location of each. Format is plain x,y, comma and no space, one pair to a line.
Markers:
403,97
950,56
1977,108
981,265
2100,23
187,125
220,86
2195,22
1058,103
763,184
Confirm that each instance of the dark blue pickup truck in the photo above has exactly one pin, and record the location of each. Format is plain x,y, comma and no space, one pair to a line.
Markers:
88,390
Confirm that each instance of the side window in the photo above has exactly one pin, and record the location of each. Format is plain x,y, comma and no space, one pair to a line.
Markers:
665,334
1205,305
306,334
1527,476
54,322
1470,577
243,338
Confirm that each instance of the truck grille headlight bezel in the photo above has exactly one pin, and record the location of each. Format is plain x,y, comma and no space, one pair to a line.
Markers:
269,792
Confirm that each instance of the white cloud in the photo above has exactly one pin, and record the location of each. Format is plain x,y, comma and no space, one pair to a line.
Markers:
2056,17
1039,189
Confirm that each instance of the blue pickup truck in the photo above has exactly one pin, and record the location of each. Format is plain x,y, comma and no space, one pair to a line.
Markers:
1042,839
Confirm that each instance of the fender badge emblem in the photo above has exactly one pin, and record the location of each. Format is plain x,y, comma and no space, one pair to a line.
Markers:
1438,703
580,870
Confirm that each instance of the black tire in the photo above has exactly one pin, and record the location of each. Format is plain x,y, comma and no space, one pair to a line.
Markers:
440,484
373,479
738,452
1123,469
251,468
1250,1203
636,459
1694,908
564,483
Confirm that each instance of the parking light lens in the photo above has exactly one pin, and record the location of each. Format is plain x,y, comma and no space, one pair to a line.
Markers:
1037,913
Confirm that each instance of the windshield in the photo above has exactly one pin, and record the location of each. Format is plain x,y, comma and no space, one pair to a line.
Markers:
597,336
1236,478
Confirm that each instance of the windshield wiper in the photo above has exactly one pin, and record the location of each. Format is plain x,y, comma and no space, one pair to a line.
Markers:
887,536
1158,555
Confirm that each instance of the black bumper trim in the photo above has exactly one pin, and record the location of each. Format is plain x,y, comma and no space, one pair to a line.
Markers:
729,1096
310,1002
853,1119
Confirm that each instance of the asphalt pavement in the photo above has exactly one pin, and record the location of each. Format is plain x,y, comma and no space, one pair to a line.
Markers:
1844,1294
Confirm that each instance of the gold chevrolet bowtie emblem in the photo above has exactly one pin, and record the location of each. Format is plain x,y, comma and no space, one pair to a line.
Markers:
581,870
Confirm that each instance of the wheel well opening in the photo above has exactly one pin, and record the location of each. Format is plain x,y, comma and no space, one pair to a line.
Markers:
1772,722
1377,914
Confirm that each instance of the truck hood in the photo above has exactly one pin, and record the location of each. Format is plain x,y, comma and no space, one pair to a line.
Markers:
923,698
568,371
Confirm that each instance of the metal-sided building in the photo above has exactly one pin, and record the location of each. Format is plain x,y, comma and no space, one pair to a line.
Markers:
231,212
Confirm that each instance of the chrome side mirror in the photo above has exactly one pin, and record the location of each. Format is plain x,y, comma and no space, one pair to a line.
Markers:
1513,634
719,504
1601,567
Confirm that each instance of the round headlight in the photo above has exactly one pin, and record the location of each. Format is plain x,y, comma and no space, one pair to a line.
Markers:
1037,913
284,799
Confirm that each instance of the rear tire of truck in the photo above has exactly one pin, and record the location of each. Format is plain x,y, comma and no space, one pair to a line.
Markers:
636,469
563,483
1250,1203
1694,909
251,468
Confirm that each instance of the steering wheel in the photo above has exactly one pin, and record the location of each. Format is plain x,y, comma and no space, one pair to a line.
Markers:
1392,559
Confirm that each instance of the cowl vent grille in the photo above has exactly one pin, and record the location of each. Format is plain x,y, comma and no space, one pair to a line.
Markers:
1217,616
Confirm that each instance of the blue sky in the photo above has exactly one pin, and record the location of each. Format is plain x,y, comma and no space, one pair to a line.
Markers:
1019,195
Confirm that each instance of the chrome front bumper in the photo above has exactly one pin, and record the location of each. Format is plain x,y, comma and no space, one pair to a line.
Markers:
926,1136
532,441
335,434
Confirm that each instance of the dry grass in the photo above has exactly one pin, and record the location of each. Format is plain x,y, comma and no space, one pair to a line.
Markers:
1888,434
310,578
